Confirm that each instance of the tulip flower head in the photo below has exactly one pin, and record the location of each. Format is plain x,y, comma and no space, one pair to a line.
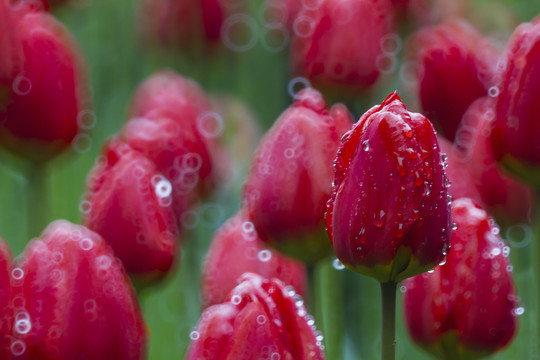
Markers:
389,214
72,297
290,179
455,66
467,307
129,206
47,103
237,249
337,43
515,136
261,318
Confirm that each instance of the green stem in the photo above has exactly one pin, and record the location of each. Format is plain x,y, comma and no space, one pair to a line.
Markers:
388,294
331,307
37,195
312,292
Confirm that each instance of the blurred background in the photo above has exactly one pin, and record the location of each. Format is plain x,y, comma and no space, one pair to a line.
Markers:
252,67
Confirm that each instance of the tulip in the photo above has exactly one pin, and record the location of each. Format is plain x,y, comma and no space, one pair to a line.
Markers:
290,179
129,206
72,300
46,105
6,325
337,44
455,65
467,307
237,249
507,198
10,61
186,24
389,214
515,136
169,95
261,318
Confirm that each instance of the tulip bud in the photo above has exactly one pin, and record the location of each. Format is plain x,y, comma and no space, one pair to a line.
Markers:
129,206
261,318
290,179
237,249
455,67
10,61
389,215
337,44
509,200
6,323
515,136
186,24
466,308
45,106
169,95
72,297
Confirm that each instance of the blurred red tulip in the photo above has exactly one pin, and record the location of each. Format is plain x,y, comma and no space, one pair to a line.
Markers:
11,59
261,318
338,44
129,206
237,249
290,179
72,300
515,137
46,103
389,215
509,200
455,67
467,307
6,323
189,25
165,97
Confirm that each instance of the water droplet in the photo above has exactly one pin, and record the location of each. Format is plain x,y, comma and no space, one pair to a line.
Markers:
210,124
194,335
261,319
264,255
296,84
365,145
454,226
86,244
400,231
21,85
337,264
493,91
18,347
236,299
17,273
239,32
411,154
379,222
518,311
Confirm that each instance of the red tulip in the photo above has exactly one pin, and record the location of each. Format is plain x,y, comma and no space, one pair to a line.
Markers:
291,176
456,66
6,323
129,204
237,249
337,43
190,25
508,199
515,136
389,215
169,95
72,300
466,308
46,101
10,61
261,318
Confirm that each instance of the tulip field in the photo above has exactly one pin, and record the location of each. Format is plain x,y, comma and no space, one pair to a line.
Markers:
269,179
